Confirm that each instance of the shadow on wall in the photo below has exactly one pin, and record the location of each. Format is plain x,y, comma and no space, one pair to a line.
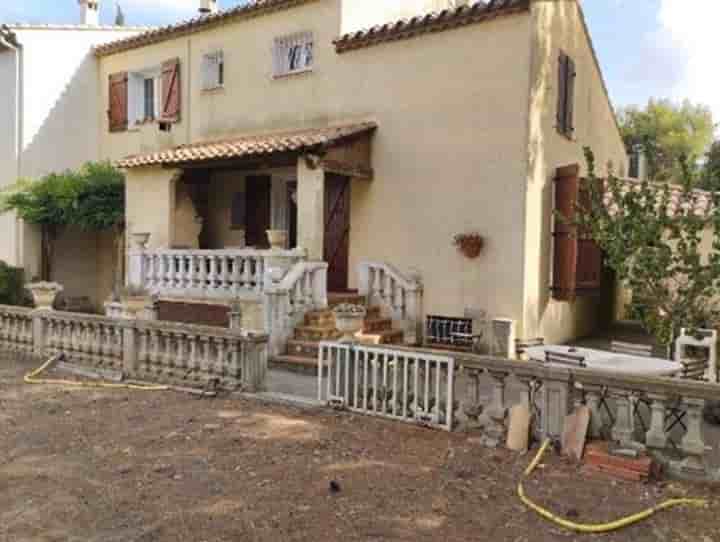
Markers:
73,120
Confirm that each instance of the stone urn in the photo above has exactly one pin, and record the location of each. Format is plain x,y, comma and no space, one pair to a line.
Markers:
44,294
140,240
278,239
349,320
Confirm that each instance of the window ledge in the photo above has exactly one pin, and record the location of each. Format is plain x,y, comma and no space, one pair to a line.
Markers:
304,71
214,90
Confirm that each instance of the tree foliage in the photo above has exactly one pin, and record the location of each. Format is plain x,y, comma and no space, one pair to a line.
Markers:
652,237
667,132
711,169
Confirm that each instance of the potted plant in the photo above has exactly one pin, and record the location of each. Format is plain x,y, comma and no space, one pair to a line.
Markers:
470,244
135,299
349,320
277,238
44,294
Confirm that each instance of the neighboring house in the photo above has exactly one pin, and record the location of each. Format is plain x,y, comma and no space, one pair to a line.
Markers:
48,110
372,149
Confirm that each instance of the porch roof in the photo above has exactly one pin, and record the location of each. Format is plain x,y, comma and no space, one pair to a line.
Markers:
298,141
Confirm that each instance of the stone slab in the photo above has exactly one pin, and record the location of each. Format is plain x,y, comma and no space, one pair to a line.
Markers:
575,433
518,437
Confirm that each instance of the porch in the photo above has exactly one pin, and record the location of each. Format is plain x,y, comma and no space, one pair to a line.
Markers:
199,216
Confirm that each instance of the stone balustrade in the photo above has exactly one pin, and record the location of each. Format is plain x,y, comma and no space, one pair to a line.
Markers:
208,274
662,415
399,294
166,352
301,290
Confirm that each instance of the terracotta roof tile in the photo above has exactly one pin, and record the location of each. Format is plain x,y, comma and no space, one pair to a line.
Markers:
251,145
252,8
475,12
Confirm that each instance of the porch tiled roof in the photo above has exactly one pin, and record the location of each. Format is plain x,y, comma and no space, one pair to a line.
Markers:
475,12
251,145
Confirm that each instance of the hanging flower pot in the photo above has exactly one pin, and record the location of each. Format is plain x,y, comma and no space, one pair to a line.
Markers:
470,244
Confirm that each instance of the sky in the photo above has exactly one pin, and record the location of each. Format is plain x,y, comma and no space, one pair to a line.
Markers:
647,48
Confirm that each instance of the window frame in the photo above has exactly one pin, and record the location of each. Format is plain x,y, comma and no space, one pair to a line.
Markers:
137,100
214,58
282,45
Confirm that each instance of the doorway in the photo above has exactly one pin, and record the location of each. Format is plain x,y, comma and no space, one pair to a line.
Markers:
337,231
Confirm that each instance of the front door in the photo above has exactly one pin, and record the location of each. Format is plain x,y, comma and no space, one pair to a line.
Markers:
337,230
257,211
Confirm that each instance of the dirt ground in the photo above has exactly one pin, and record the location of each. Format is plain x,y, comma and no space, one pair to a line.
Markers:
130,466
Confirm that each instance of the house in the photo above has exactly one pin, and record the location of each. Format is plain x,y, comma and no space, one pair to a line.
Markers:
366,150
49,123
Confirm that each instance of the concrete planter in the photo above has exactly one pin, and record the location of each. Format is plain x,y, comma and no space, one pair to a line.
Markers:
277,238
45,293
349,320
140,240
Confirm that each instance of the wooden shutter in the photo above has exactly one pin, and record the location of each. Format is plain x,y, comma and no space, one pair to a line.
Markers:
562,93
118,102
570,98
171,91
567,187
577,261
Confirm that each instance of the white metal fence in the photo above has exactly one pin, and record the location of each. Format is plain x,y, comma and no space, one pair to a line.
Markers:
401,385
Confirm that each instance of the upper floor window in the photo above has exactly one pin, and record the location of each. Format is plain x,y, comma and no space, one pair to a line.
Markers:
293,54
213,70
566,96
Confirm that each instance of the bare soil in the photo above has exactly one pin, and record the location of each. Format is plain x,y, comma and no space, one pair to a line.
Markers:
130,466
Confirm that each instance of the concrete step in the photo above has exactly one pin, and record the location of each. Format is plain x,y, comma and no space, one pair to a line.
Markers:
295,364
375,325
391,336
320,318
309,349
335,299
316,333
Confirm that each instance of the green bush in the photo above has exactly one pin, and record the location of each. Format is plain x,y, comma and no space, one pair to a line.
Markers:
12,286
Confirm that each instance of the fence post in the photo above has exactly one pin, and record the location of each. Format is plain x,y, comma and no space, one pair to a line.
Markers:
254,363
38,331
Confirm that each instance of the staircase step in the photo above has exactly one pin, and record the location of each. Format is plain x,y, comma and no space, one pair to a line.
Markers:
308,349
375,325
316,333
335,299
320,318
391,336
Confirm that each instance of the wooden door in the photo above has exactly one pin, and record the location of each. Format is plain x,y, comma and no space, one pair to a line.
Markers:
292,213
337,231
257,211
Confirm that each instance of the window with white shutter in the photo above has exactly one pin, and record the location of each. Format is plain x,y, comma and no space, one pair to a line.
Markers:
213,70
293,54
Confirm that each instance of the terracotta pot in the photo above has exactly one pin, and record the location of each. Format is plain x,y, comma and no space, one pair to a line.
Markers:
44,294
277,238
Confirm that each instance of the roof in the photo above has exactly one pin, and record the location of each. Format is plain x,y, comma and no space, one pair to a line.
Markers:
251,145
114,28
253,8
403,29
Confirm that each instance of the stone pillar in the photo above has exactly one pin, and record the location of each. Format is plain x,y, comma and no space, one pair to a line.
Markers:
555,397
503,338
656,436
592,397
693,443
38,330
235,316
130,350
496,409
311,208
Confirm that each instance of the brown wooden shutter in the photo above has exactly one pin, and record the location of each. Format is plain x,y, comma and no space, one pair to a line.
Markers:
578,260
567,187
171,91
570,98
562,93
118,102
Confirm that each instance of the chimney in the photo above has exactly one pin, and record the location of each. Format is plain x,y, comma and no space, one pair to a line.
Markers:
208,7
89,12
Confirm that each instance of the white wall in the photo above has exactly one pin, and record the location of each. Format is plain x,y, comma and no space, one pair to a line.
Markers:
56,75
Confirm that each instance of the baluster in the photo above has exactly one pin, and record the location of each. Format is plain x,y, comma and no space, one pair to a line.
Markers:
161,283
205,364
693,443
656,436
142,349
213,275
259,266
246,273
167,358
592,398
496,409
181,362
309,289
221,352
624,427
234,361
236,277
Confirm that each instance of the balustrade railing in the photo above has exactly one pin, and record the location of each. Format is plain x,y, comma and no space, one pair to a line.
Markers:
215,274
166,352
400,295
302,289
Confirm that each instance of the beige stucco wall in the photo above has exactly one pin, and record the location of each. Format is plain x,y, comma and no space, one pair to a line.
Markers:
150,204
450,153
558,25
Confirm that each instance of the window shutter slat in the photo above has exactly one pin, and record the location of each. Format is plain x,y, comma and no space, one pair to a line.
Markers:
570,97
171,91
118,102
562,93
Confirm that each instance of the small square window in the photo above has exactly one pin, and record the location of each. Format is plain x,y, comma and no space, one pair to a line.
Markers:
293,54
213,70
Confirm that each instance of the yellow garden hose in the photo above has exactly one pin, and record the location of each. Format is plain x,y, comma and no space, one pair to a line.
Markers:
598,528
32,378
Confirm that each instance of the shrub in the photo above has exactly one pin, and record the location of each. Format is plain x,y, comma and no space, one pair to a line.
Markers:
12,286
